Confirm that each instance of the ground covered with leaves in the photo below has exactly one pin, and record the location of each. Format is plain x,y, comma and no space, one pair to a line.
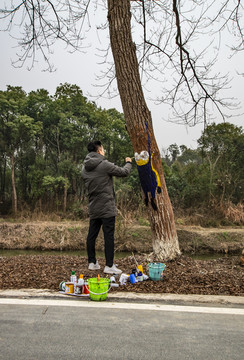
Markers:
184,275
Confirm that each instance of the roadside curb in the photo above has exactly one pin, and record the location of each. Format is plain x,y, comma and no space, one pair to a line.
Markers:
129,297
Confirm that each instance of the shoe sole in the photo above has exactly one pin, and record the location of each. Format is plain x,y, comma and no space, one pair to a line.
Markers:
94,269
113,272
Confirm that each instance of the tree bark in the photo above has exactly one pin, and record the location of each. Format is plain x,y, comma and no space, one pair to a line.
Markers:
137,114
14,194
3,180
65,195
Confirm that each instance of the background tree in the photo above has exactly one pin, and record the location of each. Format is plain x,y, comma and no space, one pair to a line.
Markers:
173,151
222,146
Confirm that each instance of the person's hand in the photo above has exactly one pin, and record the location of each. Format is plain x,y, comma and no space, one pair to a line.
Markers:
128,159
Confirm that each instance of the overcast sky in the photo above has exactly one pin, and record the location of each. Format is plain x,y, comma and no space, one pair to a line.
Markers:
81,69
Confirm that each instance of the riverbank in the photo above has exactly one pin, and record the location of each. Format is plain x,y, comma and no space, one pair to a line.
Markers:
128,237
184,275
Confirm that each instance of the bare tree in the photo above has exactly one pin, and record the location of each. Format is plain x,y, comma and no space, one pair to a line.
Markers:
164,31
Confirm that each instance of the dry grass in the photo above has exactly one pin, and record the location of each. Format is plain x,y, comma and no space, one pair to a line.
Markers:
233,212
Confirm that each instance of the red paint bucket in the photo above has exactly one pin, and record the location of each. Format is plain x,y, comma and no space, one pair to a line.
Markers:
86,288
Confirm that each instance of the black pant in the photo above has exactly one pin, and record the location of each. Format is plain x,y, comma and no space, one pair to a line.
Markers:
108,225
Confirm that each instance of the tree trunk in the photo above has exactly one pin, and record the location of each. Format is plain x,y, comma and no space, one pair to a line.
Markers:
65,195
3,180
137,115
14,194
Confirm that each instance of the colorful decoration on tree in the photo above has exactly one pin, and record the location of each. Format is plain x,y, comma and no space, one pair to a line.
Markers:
149,178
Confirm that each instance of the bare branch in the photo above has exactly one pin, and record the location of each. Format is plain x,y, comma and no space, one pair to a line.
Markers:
171,45
43,23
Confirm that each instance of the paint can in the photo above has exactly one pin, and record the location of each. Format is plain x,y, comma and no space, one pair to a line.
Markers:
62,286
139,268
123,279
86,288
132,278
69,288
156,271
134,271
140,276
98,288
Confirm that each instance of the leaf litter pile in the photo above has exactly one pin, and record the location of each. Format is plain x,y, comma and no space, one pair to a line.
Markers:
183,275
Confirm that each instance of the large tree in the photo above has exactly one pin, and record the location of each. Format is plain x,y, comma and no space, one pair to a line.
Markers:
139,121
168,27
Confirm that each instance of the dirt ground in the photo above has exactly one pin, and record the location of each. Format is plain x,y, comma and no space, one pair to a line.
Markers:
184,275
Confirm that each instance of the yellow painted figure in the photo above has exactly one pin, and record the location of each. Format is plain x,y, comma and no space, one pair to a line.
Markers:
149,177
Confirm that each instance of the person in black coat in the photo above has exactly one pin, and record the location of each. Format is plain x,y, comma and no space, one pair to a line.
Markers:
98,173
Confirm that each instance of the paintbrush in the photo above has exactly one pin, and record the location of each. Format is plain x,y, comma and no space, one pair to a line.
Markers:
135,259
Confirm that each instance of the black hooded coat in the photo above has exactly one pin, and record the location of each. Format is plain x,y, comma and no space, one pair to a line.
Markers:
98,173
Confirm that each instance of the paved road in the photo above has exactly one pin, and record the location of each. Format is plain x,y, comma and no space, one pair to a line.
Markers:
35,329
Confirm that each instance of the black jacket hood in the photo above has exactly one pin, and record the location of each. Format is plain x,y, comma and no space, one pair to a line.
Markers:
92,160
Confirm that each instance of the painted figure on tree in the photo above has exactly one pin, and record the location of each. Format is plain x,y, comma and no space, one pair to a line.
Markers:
149,178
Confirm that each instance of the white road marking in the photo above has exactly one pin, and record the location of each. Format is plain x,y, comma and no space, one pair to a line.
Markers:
125,306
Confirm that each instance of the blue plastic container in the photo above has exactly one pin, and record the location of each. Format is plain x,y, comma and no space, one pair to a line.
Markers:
132,278
156,271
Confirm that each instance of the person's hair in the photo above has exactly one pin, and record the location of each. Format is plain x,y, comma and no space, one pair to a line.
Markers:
94,145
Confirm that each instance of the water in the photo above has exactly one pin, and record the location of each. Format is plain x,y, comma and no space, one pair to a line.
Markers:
100,254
